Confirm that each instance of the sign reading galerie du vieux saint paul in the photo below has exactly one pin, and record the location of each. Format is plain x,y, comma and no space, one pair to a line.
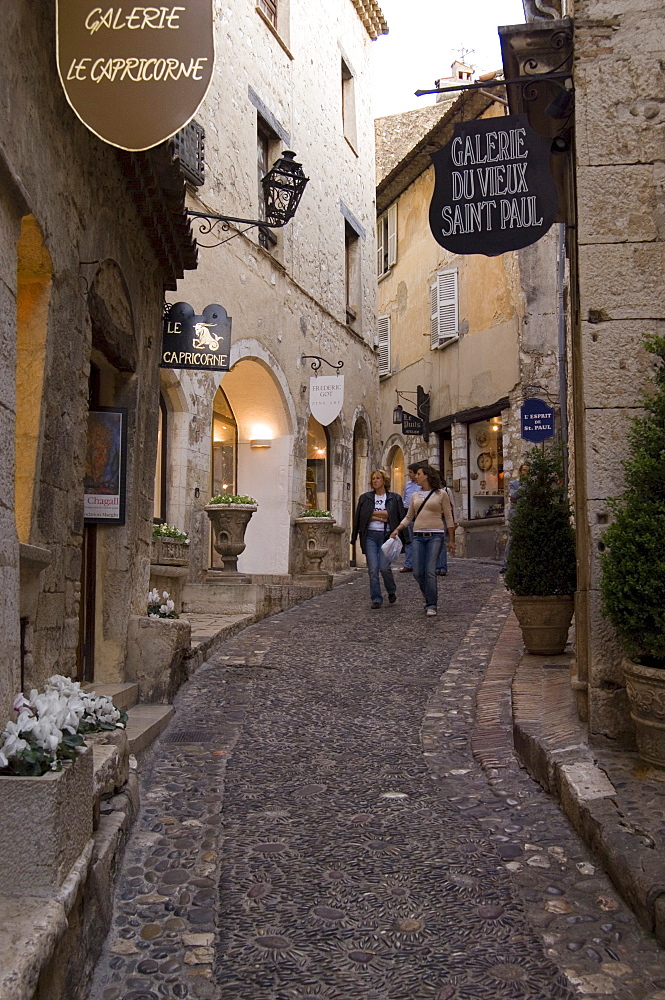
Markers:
135,75
198,342
493,189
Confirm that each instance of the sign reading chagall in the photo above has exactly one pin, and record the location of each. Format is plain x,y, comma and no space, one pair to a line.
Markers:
135,75
493,188
200,342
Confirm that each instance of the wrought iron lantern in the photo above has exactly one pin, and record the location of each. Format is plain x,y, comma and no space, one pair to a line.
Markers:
398,414
283,187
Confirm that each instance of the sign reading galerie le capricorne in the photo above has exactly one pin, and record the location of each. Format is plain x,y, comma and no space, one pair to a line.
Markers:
493,188
135,75
199,342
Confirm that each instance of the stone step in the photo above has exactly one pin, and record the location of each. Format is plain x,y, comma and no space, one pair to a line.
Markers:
124,696
145,723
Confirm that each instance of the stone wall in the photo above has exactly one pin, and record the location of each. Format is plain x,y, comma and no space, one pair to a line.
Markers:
620,119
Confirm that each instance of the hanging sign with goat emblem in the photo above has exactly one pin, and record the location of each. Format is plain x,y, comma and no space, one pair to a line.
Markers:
135,75
200,342
493,188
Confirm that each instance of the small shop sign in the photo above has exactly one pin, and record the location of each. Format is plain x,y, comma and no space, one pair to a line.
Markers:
105,466
537,420
326,397
493,188
135,75
196,342
412,426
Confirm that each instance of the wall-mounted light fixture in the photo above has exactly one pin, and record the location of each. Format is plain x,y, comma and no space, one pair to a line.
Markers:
260,443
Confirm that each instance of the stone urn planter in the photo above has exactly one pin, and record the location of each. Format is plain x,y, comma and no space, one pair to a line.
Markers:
314,541
645,687
169,552
544,622
229,522
46,823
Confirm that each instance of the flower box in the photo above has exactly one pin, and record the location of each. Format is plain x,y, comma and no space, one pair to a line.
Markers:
169,552
46,823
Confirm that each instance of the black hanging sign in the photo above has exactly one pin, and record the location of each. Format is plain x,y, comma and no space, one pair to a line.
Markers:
493,188
199,342
412,425
537,420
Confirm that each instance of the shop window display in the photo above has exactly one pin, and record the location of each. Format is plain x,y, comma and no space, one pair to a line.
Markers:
316,478
486,496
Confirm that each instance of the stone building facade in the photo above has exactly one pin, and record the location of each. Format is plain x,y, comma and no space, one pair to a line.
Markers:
307,289
85,258
479,334
617,272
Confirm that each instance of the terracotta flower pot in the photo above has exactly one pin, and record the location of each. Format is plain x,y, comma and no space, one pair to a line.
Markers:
544,622
645,687
229,522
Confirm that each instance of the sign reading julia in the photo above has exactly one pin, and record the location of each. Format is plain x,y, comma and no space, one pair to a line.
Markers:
191,341
537,420
326,396
493,188
135,75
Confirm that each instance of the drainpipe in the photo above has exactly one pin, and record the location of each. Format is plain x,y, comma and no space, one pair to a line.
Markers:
561,320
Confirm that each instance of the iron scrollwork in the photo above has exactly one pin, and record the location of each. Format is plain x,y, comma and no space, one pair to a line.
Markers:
318,361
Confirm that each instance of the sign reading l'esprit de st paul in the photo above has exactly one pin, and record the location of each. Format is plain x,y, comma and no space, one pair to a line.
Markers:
135,75
199,342
493,188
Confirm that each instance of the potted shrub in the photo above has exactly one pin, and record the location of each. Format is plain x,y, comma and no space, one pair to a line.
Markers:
229,515
170,546
541,565
632,583
314,527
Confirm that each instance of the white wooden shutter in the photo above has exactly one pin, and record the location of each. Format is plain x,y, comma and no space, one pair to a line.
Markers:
380,230
444,309
384,345
392,235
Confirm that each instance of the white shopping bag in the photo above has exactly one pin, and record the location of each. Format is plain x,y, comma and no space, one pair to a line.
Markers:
391,549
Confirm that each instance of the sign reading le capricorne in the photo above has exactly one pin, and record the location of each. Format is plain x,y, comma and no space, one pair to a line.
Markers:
493,188
135,75
200,342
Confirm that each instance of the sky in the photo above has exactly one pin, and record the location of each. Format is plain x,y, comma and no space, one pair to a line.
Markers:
425,37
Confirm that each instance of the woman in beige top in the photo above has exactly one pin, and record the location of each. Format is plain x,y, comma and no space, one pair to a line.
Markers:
431,514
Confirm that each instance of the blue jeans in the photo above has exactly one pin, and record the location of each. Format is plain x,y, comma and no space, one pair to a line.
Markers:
442,561
377,563
408,562
426,550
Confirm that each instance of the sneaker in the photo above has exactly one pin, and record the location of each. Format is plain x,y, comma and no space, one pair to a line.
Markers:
431,612
376,604
406,569
392,598
442,572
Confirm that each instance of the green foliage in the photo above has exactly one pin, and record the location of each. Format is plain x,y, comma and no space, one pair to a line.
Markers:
315,512
632,581
541,559
229,498
169,531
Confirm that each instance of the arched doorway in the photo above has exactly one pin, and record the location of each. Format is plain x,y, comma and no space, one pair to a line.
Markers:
360,471
317,477
396,469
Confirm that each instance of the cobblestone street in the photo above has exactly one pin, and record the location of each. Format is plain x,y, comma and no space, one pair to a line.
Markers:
322,819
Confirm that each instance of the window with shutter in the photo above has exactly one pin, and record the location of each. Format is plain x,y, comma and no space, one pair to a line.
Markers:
384,345
444,309
386,241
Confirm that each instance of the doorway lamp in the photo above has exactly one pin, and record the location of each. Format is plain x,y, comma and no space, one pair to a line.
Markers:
283,187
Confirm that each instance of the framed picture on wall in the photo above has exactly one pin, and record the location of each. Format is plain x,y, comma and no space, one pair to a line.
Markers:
104,482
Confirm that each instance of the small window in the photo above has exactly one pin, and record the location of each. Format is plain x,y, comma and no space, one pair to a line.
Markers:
317,476
386,241
269,8
352,278
267,149
444,309
384,345
349,106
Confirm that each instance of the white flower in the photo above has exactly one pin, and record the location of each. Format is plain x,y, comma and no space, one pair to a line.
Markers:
153,596
3,760
153,615
165,596
20,701
13,743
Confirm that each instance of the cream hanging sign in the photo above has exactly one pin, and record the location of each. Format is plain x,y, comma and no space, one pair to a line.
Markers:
135,75
326,397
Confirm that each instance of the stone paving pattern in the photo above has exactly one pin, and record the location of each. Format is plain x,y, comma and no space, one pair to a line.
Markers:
315,824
